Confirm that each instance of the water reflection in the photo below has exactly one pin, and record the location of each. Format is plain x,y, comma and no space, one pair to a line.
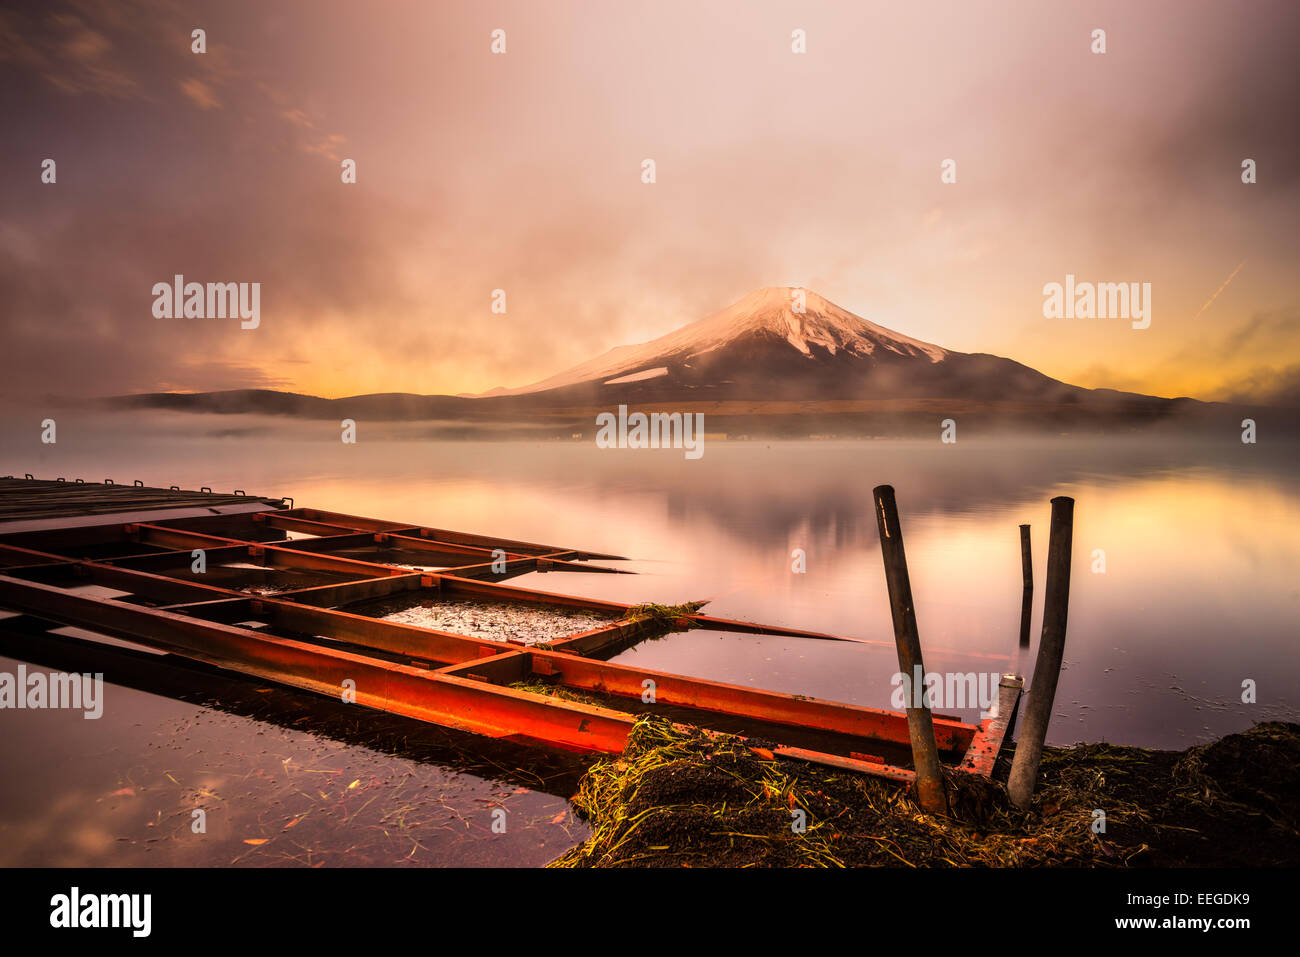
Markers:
1196,597
282,777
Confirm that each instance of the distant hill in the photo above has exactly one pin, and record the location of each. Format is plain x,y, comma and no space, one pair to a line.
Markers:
755,367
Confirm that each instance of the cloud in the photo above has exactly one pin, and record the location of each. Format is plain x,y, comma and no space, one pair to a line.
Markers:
1101,376
200,94
133,50
65,51
1266,386
1263,333
522,172
1245,361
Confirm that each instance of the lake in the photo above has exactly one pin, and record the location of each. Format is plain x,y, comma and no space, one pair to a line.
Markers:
1183,589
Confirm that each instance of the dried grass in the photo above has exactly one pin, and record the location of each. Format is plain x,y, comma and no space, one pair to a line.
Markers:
684,797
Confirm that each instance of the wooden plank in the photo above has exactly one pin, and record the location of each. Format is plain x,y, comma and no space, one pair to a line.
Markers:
34,499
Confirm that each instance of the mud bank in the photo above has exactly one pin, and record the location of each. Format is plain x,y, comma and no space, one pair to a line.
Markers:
681,799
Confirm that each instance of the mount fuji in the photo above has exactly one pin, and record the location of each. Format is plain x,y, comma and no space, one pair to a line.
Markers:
760,348
759,366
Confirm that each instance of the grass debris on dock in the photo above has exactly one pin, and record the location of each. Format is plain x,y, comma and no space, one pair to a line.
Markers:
681,797
670,616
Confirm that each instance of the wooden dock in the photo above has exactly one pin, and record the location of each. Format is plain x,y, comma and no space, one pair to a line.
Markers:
30,500
281,594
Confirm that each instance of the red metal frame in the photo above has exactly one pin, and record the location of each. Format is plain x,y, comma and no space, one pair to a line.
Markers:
306,639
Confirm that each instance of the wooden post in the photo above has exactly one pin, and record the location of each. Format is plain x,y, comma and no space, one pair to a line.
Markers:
1027,596
1051,649
920,725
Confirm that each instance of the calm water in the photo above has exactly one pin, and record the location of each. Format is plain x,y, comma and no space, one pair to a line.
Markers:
1198,595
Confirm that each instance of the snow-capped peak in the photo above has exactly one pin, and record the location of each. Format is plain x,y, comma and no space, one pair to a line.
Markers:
772,309
769,311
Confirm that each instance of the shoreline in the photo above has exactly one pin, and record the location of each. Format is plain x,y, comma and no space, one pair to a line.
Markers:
678,799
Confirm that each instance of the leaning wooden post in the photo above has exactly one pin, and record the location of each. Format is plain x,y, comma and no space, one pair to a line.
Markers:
1027,596
920,725
1051,649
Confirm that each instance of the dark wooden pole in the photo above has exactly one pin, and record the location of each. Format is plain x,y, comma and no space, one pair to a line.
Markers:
920,725
1027,597
1051,649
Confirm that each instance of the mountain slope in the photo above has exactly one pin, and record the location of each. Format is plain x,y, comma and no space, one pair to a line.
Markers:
765,316
755,367
759,348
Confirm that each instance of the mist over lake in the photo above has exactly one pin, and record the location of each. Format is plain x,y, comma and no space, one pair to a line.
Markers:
1198,538
1198,595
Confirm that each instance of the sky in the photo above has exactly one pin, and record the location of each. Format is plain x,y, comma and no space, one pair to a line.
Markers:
523,171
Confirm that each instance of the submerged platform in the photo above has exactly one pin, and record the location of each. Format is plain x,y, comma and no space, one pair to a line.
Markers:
315,600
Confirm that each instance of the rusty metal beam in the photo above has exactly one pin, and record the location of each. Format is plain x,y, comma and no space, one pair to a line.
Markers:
365,589
441,534
753,628
608,638
450,679
178,558
14,556
453,699
448,700
276,555
155,588
523,566
877,768
453,585
330,543
579,673
290,522
394,637
987,743
500,669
